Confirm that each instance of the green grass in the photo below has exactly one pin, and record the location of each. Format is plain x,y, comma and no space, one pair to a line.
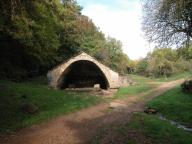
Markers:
142,128
132,90
175,105
174,77
140,79
142,85
51,103
158,131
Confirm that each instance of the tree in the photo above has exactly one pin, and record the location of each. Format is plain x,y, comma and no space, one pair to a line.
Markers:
29,37
90,38
117,60
185,52
141,67
36,35
167,22
31,33
132,64
161,62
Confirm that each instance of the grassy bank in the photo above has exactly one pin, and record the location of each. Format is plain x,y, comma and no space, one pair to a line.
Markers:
51,103
174,105
158,131
147,129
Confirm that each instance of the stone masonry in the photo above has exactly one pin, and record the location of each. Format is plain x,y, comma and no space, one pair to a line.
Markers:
113,78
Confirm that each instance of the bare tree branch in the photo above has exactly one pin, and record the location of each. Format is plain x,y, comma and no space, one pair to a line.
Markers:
167,22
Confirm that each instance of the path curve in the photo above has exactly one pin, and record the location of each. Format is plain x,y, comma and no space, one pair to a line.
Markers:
81,126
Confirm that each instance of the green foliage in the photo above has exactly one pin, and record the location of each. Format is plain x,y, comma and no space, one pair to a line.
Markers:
37,35
183,65
131,66
113,56
50,103
163,62
141,67
28,31
185,52
187,86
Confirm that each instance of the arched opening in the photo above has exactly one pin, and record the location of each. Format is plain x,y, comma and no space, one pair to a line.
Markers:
83,74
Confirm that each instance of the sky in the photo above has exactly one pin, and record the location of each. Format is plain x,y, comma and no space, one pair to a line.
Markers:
120,19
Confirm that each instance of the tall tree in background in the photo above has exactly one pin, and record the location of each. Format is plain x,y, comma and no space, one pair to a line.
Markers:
185,52
36,35
167,22
117,60
69,35
161,62
28,35
83,36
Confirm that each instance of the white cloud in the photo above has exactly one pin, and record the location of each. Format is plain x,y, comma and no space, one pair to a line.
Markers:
123,23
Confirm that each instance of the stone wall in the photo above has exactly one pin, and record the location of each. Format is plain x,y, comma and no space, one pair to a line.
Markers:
55,75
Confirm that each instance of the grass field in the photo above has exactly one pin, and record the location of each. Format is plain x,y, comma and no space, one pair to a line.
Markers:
51,103
144,84
174,105
158,131
174,77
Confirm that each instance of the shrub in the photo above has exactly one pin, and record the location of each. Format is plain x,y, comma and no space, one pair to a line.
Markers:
187,86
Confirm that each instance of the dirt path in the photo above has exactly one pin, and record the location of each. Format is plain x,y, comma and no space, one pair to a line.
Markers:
80,127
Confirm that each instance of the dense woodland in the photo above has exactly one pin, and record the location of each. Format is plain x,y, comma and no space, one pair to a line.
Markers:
36,35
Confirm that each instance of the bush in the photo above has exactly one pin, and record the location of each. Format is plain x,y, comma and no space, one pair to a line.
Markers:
183,65
187,86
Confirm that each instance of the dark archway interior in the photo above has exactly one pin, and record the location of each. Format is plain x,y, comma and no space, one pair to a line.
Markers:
83,74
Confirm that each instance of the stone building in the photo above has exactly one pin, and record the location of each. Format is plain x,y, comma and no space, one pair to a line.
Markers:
84,71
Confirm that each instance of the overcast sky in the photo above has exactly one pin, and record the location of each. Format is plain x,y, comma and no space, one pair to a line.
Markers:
120,19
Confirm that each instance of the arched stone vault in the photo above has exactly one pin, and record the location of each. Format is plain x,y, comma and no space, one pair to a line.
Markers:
56,74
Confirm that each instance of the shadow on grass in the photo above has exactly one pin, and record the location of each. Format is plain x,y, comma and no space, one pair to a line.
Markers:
50,103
